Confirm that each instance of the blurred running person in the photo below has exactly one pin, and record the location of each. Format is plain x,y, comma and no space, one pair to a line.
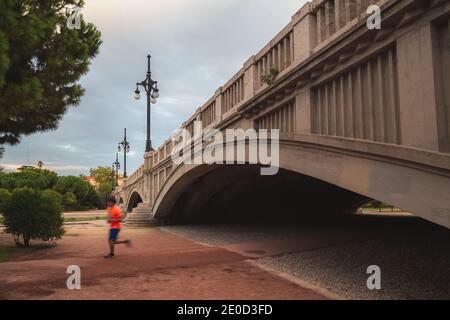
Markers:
115,217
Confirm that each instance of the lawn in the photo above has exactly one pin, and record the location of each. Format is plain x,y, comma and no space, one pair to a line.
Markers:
84,219
2,220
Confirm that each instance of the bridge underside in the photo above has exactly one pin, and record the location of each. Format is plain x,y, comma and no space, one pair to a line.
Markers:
312,183
248,197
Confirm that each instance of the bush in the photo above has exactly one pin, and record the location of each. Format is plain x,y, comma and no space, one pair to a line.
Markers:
69,200
76,185
55,196
5,195
32,214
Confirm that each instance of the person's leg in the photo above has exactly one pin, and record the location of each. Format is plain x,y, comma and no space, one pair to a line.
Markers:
111,239
111,247
116,241
127,242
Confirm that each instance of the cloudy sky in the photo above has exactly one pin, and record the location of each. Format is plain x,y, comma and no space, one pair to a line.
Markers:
196,46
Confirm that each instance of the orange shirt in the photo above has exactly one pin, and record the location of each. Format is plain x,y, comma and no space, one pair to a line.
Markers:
115,213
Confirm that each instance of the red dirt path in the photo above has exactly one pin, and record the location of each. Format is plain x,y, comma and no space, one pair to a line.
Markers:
160,265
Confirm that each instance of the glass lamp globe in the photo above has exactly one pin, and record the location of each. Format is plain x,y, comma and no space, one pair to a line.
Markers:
153,100
137,94
156,94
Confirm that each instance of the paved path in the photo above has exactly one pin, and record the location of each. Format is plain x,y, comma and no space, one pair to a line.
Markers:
160,265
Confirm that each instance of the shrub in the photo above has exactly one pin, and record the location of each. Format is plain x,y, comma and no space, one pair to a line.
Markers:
270,77
32,214
5,195
50,193
69,200
76,185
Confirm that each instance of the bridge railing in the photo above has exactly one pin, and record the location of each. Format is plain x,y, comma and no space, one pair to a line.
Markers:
135,175
315,26
311,28
335,15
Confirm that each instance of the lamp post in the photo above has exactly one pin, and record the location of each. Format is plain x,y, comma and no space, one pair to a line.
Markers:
116,167
125,145
151,88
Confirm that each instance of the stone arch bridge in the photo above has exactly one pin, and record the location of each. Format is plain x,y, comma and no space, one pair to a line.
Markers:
362,114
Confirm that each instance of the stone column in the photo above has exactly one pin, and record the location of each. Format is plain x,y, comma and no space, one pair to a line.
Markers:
417,94
249,78
303,110
142,215
218,105
122,192
305,33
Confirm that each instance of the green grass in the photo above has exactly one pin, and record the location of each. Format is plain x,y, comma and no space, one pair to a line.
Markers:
372,209
85,219
2,220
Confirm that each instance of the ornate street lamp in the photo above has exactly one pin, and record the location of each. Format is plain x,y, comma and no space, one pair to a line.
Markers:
116,167
151,88
125,146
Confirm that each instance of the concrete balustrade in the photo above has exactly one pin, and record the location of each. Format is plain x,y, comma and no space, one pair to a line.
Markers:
310,27
208,114
135,175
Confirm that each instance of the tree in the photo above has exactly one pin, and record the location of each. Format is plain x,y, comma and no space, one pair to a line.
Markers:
76,185
5,195
69,200
29,177
40,164
33,214
103,175
105,182
7,181
92,199
41,62
50,193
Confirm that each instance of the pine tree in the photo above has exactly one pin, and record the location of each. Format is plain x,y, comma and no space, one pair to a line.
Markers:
41,62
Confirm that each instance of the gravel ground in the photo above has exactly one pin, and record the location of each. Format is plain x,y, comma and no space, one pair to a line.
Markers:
409,269
413,255
231,234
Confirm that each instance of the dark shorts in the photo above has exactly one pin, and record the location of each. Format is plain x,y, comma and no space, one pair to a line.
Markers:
113,234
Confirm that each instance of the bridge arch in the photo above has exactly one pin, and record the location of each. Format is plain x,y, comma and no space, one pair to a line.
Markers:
134,199
340,171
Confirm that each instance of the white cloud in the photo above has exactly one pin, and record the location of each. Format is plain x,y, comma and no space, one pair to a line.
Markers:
67,147
61,168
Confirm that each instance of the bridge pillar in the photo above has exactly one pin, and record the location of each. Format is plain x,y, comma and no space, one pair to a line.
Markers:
249,78
142,216
303,110
305,32
419,110
218,102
